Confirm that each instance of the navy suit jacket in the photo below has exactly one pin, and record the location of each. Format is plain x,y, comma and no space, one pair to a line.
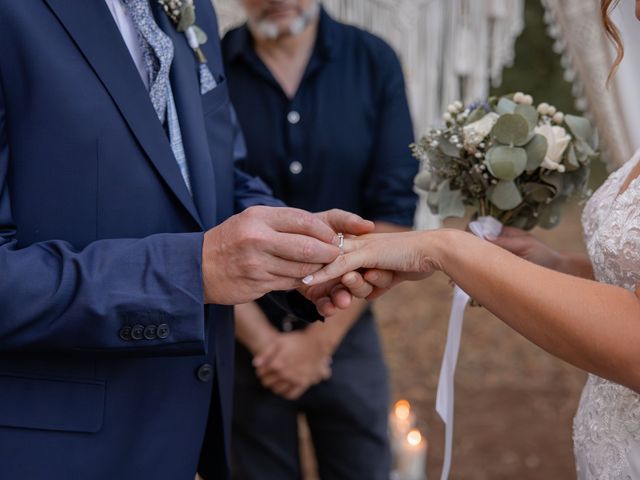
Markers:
110,366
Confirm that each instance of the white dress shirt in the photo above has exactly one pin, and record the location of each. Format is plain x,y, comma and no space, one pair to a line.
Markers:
130,36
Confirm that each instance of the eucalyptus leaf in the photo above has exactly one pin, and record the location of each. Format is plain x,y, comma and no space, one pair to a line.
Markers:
570,159
524,221
583,129
505,195
555,179
530,113
449,149
538,192
506,163
536,151
476,115
550,215
576,181
595,139
423,180
187,17
432,202
450,202
505,106
583,149
511,129
436,157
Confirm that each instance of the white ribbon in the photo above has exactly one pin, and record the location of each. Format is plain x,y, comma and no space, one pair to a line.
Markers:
482,227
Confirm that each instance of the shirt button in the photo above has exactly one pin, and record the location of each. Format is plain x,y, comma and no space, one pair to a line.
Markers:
205,373
295,167
293,117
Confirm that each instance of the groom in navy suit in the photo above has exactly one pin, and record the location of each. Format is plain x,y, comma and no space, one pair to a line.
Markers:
116,156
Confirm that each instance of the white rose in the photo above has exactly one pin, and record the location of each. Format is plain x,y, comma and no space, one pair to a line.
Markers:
557,140
476,132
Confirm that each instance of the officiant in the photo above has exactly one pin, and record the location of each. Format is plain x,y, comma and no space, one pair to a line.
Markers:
327,125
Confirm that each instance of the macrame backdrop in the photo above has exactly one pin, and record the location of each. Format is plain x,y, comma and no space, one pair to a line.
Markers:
450,49
586,56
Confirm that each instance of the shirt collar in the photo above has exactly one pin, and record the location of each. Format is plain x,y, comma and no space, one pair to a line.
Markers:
241,44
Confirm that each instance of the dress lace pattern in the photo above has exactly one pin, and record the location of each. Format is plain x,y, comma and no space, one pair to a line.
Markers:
606,429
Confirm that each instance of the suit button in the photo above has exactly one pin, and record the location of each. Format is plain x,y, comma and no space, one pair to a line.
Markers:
137,332
205,373
125,333
163,331
150,332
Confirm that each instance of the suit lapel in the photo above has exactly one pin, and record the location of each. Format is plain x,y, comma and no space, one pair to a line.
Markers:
186,91
90,25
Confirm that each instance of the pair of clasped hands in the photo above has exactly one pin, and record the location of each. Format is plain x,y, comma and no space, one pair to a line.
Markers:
265,249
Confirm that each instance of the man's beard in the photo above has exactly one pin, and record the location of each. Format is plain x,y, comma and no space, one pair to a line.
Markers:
268,30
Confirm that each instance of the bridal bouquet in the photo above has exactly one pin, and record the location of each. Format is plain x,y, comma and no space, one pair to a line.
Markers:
507,159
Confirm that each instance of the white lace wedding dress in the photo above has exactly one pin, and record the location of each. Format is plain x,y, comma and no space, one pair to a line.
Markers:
606,430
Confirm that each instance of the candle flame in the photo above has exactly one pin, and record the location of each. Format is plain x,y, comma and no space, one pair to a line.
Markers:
414,438
402,409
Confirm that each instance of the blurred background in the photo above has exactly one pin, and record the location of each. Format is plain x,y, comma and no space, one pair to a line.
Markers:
514,402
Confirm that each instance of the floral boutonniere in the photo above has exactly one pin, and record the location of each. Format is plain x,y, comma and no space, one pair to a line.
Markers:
183,14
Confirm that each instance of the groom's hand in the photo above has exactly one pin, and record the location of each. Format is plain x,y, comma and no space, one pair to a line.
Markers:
265,249
261,250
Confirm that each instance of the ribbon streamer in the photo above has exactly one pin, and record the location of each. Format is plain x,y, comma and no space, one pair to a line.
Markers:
482,227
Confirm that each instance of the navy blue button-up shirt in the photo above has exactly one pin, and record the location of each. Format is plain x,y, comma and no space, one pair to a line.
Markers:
343,140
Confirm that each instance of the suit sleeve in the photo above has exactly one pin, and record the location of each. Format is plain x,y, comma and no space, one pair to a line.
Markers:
137,296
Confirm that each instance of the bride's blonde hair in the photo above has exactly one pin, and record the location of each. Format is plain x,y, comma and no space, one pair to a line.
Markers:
606,6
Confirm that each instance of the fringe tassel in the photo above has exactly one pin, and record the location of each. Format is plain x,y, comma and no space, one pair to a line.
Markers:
575,26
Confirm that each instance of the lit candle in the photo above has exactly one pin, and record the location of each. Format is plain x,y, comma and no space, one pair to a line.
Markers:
401,421
412,457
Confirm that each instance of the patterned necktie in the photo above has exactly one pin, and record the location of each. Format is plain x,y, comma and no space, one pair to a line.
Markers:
157,49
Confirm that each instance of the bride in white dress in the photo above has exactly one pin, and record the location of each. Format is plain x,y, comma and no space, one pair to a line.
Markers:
584,309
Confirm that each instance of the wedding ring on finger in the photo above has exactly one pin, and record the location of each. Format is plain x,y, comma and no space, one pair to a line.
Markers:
341,242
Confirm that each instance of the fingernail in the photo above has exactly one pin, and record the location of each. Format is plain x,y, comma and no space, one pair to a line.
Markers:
307,280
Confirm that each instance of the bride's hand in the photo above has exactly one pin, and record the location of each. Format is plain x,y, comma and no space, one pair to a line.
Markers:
526,246
400,253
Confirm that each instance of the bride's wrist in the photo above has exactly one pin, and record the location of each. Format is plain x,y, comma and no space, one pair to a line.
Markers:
436,248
